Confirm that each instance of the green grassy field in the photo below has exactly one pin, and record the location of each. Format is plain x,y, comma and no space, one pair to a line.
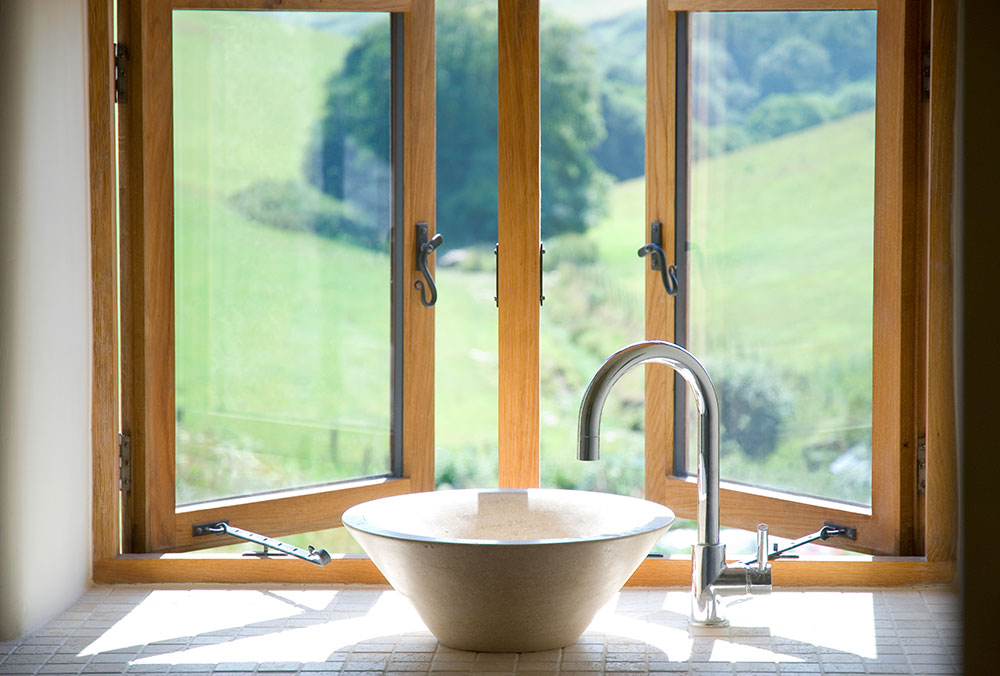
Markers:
782,260
279,387
791,220
276,330
783,282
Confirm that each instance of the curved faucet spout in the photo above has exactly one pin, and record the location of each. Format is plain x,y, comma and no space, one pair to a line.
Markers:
710,576
684,363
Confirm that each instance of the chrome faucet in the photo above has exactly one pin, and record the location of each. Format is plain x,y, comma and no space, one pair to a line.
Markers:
711,577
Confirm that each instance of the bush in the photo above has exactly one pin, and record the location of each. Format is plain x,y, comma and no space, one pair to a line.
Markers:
597,313
727,138
781,114
855,97
475,258
708,106
740,97
295,206
712,141
468,467
615,473
754,406
793,65
569,248
622,153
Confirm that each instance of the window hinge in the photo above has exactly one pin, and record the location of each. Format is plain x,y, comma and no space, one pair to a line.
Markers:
125,462
925,73
921,464
541,274
121,60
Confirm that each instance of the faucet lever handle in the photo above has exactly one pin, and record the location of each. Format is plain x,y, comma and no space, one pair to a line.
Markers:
761,547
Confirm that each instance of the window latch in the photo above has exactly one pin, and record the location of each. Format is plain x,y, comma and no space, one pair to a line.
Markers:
541,274
425,247
318,556
541,278
658,258
120,62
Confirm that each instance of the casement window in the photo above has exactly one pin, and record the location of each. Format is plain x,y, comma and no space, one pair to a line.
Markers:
810,256
782,180
779,146
850,203
274,361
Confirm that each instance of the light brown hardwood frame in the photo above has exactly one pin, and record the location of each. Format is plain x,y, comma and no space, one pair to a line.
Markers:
893,525
936,567
518,260
151,521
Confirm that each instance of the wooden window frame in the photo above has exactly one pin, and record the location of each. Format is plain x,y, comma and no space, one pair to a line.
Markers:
903,399
151,522
922,189
911,268
911,390
887,527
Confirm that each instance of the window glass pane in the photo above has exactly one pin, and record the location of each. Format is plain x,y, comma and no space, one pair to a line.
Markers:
780,243
282,189
593,71
466,389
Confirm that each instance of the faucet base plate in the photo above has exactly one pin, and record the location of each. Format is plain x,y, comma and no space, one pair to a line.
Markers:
715,623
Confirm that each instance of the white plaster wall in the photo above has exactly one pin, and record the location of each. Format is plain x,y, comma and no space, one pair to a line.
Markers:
45,468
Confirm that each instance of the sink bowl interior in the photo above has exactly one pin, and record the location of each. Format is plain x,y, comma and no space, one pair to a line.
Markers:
499,516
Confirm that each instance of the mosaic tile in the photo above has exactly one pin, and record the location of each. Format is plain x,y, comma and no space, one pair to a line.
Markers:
288,631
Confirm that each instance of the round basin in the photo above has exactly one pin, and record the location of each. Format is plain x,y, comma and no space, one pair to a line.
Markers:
507,570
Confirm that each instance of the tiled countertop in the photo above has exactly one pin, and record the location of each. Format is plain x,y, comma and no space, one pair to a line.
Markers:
366,631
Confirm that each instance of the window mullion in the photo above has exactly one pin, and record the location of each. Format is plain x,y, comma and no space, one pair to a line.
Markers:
888,528
661,81
518,262
418,206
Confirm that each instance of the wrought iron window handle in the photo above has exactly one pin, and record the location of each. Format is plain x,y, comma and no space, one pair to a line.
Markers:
668,273
425,247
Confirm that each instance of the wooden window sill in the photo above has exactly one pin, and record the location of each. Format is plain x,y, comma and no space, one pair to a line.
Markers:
358,569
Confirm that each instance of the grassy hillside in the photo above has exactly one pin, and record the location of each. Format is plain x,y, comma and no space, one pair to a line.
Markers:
277,386
275,329
781,277
787,226
249,90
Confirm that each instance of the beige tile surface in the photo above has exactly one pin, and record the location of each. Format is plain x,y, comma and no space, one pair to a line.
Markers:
368,631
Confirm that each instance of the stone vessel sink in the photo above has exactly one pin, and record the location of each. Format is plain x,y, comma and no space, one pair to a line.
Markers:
507,570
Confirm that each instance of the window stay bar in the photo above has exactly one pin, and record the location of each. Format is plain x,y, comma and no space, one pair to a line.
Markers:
318,556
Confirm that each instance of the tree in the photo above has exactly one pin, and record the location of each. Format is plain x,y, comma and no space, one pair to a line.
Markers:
849,37
795,64
622,153
350,156
572,126
754,405
780,114
573,186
